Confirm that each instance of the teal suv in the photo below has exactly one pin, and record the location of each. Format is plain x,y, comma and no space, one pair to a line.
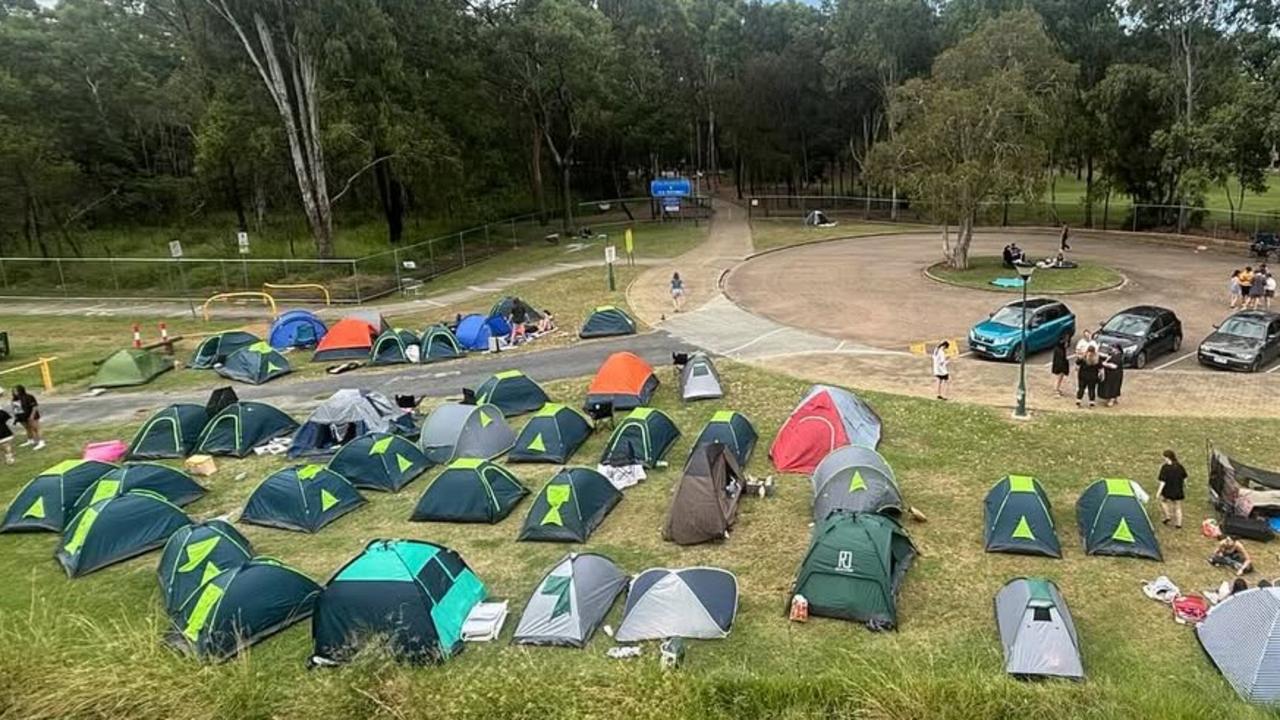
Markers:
1000,336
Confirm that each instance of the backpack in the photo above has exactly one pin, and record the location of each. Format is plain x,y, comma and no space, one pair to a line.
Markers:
1190,609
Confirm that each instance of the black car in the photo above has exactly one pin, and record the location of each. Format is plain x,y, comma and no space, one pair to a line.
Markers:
1265,244
1142,333
1245,341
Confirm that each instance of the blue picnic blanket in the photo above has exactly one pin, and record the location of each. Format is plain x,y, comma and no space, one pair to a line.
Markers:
1015,282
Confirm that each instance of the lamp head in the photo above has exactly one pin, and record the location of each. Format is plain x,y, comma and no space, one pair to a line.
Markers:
1024,269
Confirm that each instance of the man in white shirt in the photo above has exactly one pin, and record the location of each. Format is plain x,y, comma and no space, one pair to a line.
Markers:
941,373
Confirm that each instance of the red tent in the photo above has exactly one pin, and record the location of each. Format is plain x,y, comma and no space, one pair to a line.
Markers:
826,419
350,339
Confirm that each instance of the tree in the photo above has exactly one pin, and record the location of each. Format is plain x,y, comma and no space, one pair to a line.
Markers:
1241,135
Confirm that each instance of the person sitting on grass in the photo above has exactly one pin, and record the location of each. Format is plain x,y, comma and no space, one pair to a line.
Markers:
547,323
1232,553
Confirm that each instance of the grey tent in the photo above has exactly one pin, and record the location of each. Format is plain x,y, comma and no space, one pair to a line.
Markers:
345,416
1241,635
465,431
570,601
854,479
1036,630
698,602
699,379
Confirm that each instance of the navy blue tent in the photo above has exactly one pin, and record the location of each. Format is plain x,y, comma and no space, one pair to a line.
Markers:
473,332
296,329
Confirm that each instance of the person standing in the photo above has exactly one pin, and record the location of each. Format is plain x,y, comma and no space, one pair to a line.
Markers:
1063,246
1257,293
677,292
1085,344
1088,372
26,410
1246,286
941,372
1112,376
1061,366
1270,291
6,435
1172,489
1233,287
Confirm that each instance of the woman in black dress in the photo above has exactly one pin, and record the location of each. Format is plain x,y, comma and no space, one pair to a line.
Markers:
1088,371
1112,376
1172,489
1061,366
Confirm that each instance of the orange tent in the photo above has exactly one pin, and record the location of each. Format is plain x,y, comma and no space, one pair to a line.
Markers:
624,380
350,339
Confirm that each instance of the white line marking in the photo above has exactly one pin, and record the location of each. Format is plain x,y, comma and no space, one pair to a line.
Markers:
840,346
749,343
504,278
1173,362
964,354
1277,367
571,266
477,288
447,374
433,303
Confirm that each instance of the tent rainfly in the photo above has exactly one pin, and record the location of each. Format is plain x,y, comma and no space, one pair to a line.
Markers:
854,568
624,380
607,321
345,416
731,429
254,365
1018,518
699,379
215,349
170,433
552,435
698,603
827,418
705,504
439,343
512,392
393,347
1036,630
570,506
169,483
570,602
465,431
1241,635
854,479
351,338
242,426
304,498
296,329
1113,522
470,490
129,367
47,502
116,529
196,553
642,438
380,461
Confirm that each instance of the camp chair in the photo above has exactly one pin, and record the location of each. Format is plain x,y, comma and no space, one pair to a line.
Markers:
600,413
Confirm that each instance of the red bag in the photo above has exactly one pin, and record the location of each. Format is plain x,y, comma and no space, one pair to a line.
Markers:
1190,609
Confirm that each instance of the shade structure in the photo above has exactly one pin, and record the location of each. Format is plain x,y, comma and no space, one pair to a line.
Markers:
1113,522
607,321
854,479
412,595
854,568
345,416
552,435
470,490
304,498
731,429
642,438
380,461
474,332
570,601
570,506
46,503
240,607
512,392
131,366
351,338
254,365
705,504
215,349
438,344
1036,630
296,329
392,347
116,529
196,553
699,379
827,418
1018,518
1241,635
698,603
624,380
455,431
240,427
169,483
170,433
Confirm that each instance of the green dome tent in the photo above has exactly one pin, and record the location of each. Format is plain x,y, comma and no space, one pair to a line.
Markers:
195,554
642,438
415,595
304,498
512,392
46,503
380,461
256,364
731,429
552,435
465,431
1019,519
129,367
170,433
169,483
215,349
116,529
570,506
241,606
570,602
1113,522
439,343
392,347
854,568
240,427
470,490
607,321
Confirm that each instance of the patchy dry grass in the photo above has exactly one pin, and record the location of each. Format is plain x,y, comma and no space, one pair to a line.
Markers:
769,233
982,271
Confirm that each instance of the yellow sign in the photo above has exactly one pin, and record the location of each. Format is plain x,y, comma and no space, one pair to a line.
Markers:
629,242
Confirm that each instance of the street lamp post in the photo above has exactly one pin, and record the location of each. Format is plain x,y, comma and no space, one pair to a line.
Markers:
1025,270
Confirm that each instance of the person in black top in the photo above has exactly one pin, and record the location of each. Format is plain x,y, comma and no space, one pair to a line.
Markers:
1061,366
1112,376
27,411
1172,489
1088,372
6,435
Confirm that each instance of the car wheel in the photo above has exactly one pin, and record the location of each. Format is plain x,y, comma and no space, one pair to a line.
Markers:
1256,365
1140,360
1017,354
1177,343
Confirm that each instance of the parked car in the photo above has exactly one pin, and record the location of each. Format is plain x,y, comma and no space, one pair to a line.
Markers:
1000,335
1245,341
1142,332
1265,244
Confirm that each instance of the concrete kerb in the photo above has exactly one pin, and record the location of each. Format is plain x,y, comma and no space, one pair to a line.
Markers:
1123,281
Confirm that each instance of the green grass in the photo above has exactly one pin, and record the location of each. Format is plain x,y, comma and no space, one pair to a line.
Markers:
91,647
982,270
770,233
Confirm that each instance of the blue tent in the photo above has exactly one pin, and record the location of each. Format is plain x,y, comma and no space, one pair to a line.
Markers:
473,332
296,329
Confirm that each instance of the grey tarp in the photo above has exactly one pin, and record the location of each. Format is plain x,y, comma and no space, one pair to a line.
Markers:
854,479
346,415
699,380
465,431
698,602
1036,630
1241,635
570,601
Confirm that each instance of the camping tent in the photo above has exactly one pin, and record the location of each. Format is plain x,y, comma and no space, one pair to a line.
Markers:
698,602
1241,635
854,479
240,427
512,392
607,321
196,553
116,529
473,332
351,338
1019,519
624,380
817,218
241,606
1036,630
345,416
380,461
827,418
414,595
465,431
130,366
255,365
854,568
570,506
46,502
220,399
552,435
215,349
303,498
731,429
570,602
392,347
1113,521
470,490
642,438
438,343
169,483
509,306
296,329
705,504
170,433
699,379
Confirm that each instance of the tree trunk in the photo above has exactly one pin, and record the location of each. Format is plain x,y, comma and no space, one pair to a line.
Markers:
957,253
535,167
566,198
1088,191
390,196
233,195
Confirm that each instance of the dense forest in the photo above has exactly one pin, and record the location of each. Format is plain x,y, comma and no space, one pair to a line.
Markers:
115,112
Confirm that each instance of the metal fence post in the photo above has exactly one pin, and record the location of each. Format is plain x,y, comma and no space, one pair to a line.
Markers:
515,241
226,284
4,277
462,249
355,276
62,281
431,256
115,279
1134,209
486,238
395,258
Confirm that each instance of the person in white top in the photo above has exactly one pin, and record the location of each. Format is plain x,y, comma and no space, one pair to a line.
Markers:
941,374
1085,344
1271,290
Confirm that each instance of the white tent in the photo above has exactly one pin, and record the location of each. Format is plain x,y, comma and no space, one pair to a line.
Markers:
698,602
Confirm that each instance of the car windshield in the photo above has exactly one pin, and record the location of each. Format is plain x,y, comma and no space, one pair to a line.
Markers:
1011,315
1135,325
1245,328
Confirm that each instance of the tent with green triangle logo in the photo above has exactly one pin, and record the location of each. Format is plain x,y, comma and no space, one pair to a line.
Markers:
254,364
470,490
570,506
512,392
1019,518
46,503
854,479
1114,522
551,436
456,430
570,601
171,483
195,554
116,529
303,498
380,461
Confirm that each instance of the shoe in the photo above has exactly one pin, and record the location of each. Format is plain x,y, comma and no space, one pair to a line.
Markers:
27,443
1091,406
1177,527
1164,521
38,446
1079,404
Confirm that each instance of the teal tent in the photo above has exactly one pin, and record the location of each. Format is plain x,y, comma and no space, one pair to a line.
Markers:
1113,522
170,483
46,503
512,392
570,506
439,343
392,347
551,436
215,349
196,553
1019,519
380,461
642,438
607,321
116,529
170,433
470,490
304,498
256,364
731,429
240,427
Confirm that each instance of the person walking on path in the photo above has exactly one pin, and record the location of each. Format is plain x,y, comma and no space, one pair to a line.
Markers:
27,412
1063,245
1088,371
1061,366
677,292
1233,287
1112,376
941,373
1172,489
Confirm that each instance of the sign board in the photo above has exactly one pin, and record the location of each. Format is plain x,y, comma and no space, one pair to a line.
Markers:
755,202
175,249
671,205
670,187
242,239
610,254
